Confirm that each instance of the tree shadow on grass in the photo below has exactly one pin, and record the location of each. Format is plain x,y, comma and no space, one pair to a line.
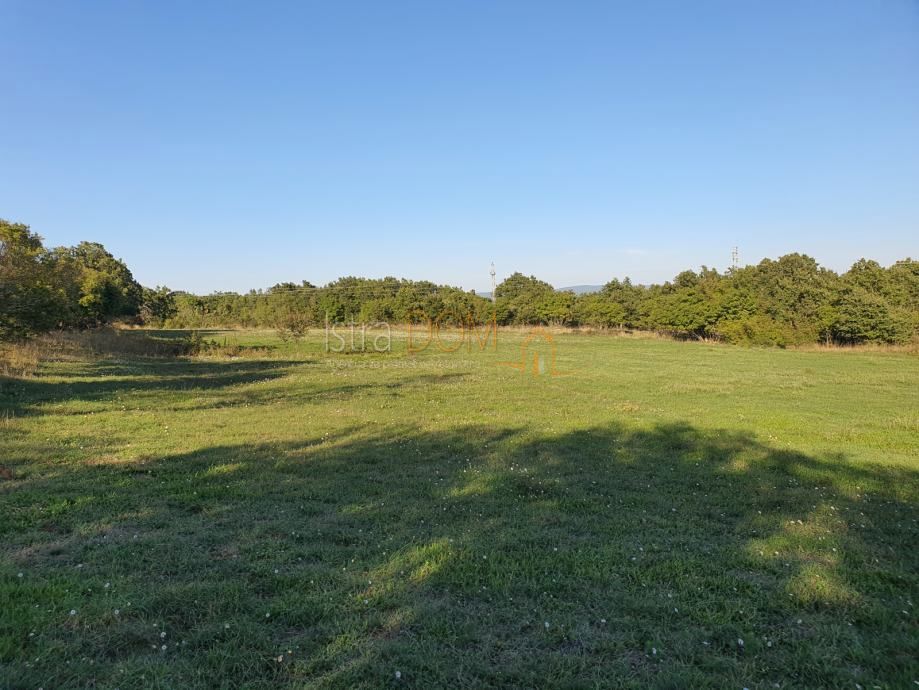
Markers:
142,383
106,379
604,557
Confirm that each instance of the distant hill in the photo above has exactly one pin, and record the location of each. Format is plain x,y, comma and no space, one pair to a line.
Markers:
576,289
581,289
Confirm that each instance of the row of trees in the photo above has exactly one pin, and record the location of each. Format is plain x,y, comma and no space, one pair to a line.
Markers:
362,300
65,287
791,300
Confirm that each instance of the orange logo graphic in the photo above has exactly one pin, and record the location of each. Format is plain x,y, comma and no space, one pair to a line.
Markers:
532,362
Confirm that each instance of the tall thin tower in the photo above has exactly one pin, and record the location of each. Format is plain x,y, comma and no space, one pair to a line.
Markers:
493,286
735,259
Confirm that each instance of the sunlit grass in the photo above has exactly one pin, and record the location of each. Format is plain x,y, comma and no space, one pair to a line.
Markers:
275,515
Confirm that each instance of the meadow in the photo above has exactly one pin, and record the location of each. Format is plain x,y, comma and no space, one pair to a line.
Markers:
641,513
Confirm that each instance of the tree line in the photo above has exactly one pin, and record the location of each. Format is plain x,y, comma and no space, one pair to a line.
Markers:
787,301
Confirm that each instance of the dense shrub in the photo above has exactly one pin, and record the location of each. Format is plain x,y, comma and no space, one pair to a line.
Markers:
787,301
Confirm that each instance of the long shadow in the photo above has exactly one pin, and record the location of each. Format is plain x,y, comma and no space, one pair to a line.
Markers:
179,334
604,557
109,380
104,379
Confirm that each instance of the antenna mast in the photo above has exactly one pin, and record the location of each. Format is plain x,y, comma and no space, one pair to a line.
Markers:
735,259
492,272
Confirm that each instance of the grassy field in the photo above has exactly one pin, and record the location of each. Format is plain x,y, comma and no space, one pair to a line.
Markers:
661,514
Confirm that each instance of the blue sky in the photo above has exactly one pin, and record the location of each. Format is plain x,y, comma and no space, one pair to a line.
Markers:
228,146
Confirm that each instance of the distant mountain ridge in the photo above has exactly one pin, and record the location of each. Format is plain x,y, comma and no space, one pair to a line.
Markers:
580,289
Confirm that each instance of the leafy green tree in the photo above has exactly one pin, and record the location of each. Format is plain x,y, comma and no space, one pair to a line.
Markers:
29,301
598,310
520,299
864,316
795,290
107,289
629,296
157,305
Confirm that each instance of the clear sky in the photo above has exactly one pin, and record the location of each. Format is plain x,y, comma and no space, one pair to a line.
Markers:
228,146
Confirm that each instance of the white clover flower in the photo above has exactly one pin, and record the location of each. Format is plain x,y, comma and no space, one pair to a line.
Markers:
398,675
73,612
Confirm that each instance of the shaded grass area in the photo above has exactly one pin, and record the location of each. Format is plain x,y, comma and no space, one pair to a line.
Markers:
311,527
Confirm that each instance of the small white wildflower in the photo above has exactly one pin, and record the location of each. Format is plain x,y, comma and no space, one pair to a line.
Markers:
20,575
163,648
739,642
654,651
398,675
117,612
268,615
603,621
163,635
108,584
546,624
226,626
280,658
73,612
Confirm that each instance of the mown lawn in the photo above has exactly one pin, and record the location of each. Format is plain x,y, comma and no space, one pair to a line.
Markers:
663,514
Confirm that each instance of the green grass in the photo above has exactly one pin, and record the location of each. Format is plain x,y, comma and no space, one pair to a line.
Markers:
292,519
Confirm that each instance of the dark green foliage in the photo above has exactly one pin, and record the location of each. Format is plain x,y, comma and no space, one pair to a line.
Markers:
106,287
360,300
783,302
788,301
42,289
29,301
864,316
157,305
